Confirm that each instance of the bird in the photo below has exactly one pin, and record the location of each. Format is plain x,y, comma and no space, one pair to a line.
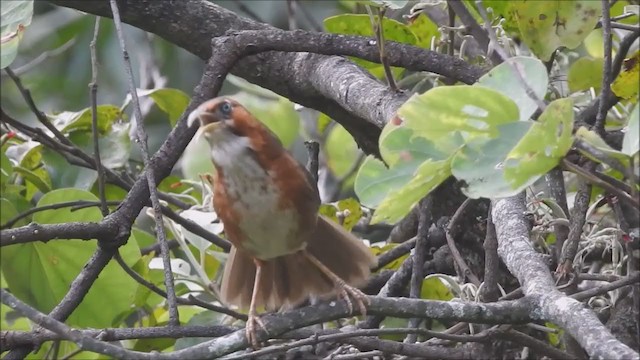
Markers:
283,251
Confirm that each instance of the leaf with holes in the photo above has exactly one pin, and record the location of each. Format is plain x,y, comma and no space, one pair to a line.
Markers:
548,25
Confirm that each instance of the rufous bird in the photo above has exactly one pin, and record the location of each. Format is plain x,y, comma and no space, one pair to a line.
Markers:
283,250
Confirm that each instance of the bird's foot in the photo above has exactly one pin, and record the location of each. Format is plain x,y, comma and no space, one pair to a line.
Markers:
348,292
253,323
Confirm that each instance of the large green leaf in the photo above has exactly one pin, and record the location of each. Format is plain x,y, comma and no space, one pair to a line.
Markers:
115,144
631,142
473,111
40,273
544,145
15,15
480,163
63,175
425,30
547,25
374,180
505,79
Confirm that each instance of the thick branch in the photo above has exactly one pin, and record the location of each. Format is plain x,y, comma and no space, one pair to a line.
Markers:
528,266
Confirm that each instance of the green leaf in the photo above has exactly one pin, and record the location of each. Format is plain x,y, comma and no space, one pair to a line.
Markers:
6,170
360,24
433,288
341,150
593,139
391,4
14,17
480,163
425,31
377,250
548,25
626,84
631,142
594,44
27,154
40,179
398,203
115,144
585,73
349,207
398,143
504,78
68,121
172,101
8,211
544,145
40,273
474,111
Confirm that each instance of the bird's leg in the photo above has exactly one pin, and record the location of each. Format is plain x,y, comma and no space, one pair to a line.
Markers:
253,321
346,291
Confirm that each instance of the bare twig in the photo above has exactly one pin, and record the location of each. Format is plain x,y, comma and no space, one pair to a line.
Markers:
577,221
490,291
93,94
151,181
462,268
420,252
313,150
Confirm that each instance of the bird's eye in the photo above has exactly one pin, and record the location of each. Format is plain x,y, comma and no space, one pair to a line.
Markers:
225,108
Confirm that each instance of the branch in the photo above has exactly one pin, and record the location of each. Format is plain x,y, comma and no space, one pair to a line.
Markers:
515,249
333,85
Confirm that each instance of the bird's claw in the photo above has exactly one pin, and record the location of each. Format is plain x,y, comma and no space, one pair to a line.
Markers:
349,292
253,322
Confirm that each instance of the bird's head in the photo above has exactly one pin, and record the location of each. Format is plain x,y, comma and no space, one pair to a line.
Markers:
232,131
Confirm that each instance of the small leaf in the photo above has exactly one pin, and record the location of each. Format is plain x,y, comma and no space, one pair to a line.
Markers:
204,219
584,74
435,289
505,79
40,180
351,212
626,84
172,101
395,264
548,25
593,139
631,142
68,121
540,150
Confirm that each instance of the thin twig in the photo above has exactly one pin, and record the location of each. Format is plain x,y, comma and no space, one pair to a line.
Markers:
598,182
93,95
313,150
74,205
419,256
291,14
378,28
577,221
601,116
462,268
151,181
490,290
586,294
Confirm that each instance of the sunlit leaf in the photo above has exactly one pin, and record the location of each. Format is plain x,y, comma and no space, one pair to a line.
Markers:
544,145
626,84
425,30
341,150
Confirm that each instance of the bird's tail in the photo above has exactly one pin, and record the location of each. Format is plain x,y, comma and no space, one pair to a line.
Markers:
289,280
